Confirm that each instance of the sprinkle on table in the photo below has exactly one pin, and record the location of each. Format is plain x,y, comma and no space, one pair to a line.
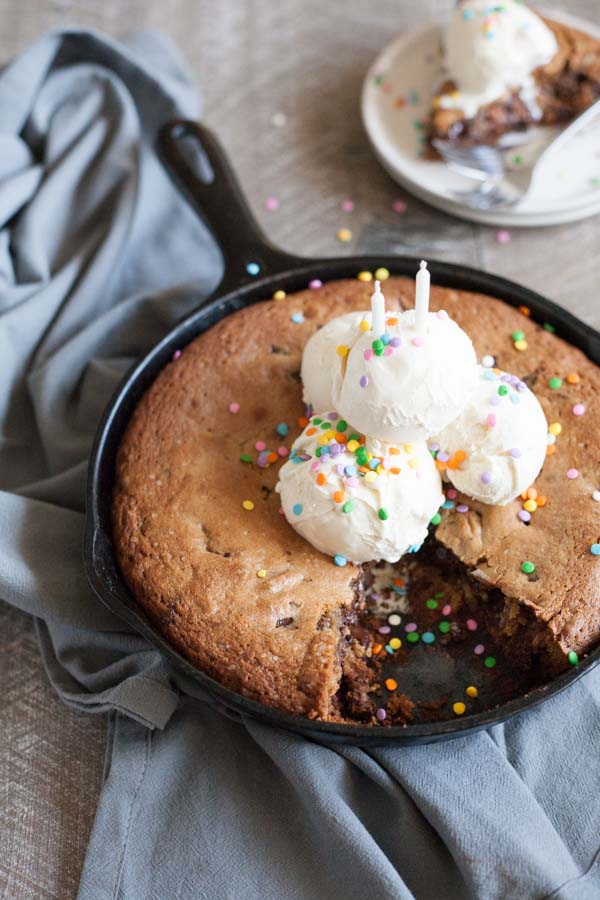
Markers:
489,662
527,567
380,714
472,691
391,684
395,643
428,637
248,504
478,649
444,627
252,268
503,236
399,206
272,204
394,619
344,235
459,708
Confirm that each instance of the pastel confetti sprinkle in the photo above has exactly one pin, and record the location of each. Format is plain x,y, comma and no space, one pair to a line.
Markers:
572,474
279,295
417,341
394,619
344,235
176,355
339,560
399,206
527,567
252,268
380,714
272,204
471,691
459,708
478,649
297,318
471,624
262,573
502,236
315,284
578,409
347,205
595,549
260,446
248,505
234,408
297,509
364,380
488,361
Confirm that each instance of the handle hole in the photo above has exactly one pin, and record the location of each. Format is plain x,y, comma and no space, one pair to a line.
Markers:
196,158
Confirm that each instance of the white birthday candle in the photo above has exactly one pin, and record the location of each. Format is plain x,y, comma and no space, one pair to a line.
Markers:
377,312
423,281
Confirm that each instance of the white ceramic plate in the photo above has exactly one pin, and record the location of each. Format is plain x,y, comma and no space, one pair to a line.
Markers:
396,96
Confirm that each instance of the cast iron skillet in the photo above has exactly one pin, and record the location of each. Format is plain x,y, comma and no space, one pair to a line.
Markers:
199,167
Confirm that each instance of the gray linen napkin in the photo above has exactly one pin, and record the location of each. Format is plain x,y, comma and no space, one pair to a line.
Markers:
98,256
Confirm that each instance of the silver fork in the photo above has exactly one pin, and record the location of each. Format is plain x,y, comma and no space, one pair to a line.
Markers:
499,184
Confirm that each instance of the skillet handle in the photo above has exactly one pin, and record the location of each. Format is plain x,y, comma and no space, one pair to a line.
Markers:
197,163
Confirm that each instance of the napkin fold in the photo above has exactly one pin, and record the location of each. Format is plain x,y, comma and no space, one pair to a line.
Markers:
99,255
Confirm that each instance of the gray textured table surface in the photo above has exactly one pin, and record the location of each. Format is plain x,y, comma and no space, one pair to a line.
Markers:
305,59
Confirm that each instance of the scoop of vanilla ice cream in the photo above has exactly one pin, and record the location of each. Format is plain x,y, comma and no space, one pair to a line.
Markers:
322,366
491,49
365,502
503,432
404,386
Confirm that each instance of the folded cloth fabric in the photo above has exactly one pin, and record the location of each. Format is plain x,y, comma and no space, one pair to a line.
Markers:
98,256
